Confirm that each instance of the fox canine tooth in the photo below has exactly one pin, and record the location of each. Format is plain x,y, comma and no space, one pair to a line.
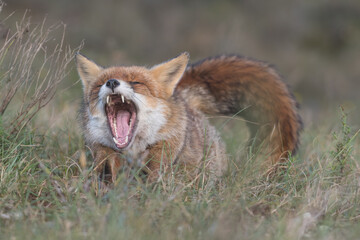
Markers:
107,99
122,98
126,139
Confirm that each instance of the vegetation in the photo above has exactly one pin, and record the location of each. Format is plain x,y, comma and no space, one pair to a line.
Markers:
46,179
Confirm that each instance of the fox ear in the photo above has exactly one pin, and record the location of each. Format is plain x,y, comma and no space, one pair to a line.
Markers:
87,69
169,73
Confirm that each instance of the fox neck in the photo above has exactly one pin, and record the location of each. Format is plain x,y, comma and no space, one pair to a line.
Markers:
166,124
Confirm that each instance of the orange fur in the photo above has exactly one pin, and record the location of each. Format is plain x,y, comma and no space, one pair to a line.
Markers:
228,84
171,101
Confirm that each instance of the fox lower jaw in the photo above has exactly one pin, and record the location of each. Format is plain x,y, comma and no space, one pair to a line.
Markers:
150,121
98,132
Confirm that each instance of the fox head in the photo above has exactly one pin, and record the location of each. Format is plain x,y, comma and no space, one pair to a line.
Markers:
124,105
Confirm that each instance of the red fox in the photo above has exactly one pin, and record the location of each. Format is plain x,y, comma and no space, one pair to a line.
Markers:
156,117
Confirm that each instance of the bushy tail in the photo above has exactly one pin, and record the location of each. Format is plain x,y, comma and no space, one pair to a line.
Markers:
230,85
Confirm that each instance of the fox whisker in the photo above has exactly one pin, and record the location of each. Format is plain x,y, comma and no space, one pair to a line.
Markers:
134,96
95,105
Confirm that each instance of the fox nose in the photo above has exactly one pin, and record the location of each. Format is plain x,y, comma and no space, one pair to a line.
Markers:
112,83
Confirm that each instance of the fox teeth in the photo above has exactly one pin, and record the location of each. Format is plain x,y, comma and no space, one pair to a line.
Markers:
115,127
129,127
107,99
116,141
122,98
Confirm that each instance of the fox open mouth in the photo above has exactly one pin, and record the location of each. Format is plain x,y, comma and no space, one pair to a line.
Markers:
121,114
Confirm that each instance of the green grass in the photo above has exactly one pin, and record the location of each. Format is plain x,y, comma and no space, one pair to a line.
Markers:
45,193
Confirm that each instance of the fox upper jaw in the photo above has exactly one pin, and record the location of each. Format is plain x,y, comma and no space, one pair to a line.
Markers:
123,89
149,119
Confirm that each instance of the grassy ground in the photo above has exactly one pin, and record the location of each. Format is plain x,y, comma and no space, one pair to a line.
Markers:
46,187
45,192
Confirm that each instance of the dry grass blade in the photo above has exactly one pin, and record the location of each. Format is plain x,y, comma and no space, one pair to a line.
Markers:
31,68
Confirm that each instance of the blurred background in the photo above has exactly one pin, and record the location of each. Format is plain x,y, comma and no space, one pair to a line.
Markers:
315,45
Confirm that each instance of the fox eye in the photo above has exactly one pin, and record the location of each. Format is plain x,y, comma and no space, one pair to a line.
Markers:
134,83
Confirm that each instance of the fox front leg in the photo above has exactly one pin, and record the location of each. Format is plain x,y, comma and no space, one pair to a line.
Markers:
158,159
107,163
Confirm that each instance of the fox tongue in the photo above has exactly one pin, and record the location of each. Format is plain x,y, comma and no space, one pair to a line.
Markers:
122,123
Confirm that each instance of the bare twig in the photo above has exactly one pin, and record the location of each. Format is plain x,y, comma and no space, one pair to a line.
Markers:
31,69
